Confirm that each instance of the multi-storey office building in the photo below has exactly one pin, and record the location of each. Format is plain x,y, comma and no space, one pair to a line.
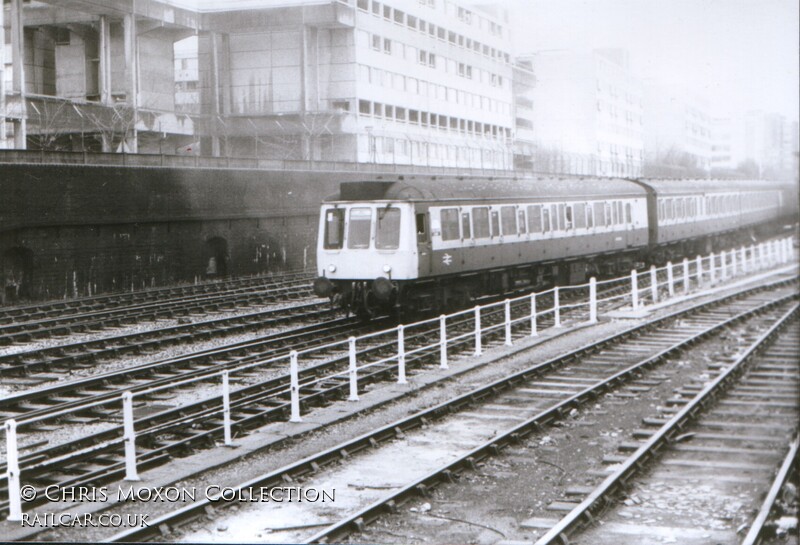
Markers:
587,112
677,128
424,83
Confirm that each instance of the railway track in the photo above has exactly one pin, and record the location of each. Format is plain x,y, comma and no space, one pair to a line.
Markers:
36,366
73,306
605,364
24,329
197,424
742,422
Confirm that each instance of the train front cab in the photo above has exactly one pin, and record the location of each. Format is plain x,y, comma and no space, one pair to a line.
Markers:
365,250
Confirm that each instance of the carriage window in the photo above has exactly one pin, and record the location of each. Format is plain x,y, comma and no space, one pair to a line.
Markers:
580,215
388,237
620,217
545,219
422,231
600,213
466,228
608,216
628,213
523,226
480,222
359,229
508,215
495,223
334,229
535,218
614,213
450,224
589,215
567,216
554,217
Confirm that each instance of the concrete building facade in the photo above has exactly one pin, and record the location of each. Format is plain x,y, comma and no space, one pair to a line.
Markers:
678,131
417,83
587,112
771,142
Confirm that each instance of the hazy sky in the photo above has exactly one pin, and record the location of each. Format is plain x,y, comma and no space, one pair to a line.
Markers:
740,54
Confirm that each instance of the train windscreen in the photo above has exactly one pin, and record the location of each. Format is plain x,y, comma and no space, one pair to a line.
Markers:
359,229
334,229
388,235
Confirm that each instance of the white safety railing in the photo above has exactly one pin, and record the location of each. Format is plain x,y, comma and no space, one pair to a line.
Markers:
633,292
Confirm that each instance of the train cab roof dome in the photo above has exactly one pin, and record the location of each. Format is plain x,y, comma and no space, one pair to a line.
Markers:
444,189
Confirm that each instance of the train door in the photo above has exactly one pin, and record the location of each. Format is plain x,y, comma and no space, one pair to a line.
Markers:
422,227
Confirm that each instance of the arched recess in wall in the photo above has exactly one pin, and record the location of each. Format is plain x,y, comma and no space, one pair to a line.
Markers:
215,257
17,273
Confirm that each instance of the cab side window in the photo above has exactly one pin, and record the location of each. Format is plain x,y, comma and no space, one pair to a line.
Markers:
422,227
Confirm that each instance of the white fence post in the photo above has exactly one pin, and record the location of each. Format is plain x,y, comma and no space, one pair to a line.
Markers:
743,259
556,308
753,261
226,408
734,265
723,265
712,267
634,289
593,300
670,280
294,387
12,463
699,261
508,323
129,437
534,332
685,275
401,355
478,348
654,283
782,247
443,341
353,371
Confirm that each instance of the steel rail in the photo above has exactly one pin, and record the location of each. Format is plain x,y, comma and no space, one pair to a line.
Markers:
372,439
617,480
754,536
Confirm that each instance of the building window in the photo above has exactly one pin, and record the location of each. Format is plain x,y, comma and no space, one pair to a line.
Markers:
376,42
363,5
364,107
387,12
376,8
387,46
432,60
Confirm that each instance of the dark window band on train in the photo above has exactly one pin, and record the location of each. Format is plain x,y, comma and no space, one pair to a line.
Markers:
449,217
480,222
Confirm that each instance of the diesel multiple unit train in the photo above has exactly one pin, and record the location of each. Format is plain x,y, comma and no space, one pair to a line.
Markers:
438,244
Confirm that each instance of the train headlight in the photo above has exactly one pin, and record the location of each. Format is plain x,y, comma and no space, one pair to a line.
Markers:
332,268
387,268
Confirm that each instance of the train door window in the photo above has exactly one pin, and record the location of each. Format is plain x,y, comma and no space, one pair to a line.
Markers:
568,216
608,215
545,219
600,214
535,218
628,213
668,207
495,223
589,215
554,217
679,208
334,229
480,222
449,218
388,232
508,217
359,228
620,217
523,225
580,215
614,213
466,227
422,227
